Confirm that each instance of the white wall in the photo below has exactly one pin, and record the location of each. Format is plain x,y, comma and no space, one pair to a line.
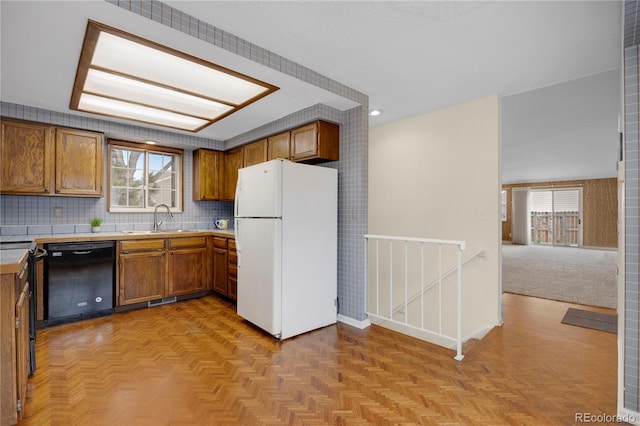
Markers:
437,175
562,132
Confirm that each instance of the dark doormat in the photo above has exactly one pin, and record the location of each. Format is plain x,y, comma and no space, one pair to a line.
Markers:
590,319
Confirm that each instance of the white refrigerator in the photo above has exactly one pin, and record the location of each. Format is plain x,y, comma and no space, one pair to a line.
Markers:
286,223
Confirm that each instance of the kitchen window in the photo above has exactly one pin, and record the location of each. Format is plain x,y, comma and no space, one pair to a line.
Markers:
142,177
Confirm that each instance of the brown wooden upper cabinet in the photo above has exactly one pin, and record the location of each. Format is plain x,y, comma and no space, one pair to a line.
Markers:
278,146
79,162
38,159
26,154
232,163
208,166
315,143
254,153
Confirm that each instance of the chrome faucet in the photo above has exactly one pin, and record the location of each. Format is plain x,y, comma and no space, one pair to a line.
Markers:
156,222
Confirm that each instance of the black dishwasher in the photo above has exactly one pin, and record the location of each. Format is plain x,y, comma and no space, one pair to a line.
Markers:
79,281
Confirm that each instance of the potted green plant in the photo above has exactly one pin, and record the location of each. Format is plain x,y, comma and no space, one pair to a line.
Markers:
95,224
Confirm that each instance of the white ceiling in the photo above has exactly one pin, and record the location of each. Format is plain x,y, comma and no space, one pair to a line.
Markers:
408,57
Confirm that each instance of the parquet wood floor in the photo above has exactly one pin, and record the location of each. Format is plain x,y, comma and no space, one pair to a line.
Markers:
197,363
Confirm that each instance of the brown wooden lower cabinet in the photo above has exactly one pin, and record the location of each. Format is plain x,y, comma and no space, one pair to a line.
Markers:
220,265
232,268
14,344
152,269
225,267
142,271
187,265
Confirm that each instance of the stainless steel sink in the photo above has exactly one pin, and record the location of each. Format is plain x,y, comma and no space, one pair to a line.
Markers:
163,231
133,232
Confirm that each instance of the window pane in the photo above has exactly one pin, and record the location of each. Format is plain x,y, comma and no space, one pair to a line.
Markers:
118,177
155,162
118,157
136,198
154,198
118,197
137,179
167,163
165,197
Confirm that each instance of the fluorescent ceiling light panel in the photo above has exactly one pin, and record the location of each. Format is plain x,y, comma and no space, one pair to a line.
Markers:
112,85
115,108
125,76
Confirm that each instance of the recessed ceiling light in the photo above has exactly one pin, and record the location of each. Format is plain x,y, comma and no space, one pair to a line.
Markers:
122,75
375,112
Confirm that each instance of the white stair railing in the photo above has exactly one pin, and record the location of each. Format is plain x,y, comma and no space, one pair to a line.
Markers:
417,296
381,291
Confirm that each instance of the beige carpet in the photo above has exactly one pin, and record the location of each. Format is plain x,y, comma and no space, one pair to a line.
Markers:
574,275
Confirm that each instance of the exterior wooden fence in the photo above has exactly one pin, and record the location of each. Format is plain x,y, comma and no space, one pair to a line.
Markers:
555,228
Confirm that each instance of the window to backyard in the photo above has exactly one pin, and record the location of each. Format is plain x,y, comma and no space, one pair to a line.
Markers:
143,177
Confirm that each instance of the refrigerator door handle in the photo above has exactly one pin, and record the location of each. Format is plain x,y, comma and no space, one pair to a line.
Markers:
237,198
236,226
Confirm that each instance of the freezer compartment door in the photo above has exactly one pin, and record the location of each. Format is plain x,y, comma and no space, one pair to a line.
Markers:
259,190
258,244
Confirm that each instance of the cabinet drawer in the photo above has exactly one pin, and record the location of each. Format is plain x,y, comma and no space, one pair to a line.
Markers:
233,271
141,245
233,257
232,244
220,242
175,243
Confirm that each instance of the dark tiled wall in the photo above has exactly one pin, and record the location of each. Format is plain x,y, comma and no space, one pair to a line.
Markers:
631,19
631,397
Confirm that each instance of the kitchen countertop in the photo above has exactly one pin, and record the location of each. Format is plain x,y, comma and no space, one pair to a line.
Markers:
118,235
11,260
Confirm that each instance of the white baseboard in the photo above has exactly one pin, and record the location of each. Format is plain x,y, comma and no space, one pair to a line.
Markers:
353,322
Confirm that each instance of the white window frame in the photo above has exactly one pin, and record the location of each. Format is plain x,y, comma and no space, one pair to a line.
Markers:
147,149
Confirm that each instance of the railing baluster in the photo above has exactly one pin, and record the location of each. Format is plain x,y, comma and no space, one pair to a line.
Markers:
459,355
406,283
440,314
378,277
421,285
391,279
